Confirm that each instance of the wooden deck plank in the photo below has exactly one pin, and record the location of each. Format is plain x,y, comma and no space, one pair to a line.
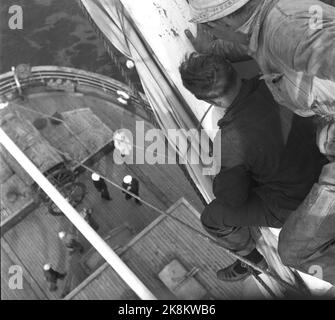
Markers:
5,170
28,138
21,196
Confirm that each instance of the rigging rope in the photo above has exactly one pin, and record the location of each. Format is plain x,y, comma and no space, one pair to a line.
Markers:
114,58
265,286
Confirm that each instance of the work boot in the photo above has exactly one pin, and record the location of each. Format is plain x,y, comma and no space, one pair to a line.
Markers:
239,271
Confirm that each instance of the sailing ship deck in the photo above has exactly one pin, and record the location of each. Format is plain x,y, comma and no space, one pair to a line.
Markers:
33,241
166,242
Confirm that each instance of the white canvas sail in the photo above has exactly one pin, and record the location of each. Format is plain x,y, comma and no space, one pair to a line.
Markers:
172,104
151,33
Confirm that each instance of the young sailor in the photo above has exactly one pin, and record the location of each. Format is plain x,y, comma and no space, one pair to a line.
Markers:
100,184
52,276
269,162
70,242
132,185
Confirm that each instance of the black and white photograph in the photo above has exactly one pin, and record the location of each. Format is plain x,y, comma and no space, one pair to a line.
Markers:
180,152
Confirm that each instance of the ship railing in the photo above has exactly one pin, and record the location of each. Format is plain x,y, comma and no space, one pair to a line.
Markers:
43,75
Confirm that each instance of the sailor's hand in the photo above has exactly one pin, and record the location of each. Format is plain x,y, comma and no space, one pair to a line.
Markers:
203,41
221,30
326,140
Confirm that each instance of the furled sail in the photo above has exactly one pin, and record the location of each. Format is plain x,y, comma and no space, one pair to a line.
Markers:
151,33
173,106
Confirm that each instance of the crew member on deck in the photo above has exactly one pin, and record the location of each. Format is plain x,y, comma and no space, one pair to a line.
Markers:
51,276
70,242
101,186
132,185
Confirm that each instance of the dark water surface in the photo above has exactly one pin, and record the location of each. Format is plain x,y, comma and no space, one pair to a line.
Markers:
55,32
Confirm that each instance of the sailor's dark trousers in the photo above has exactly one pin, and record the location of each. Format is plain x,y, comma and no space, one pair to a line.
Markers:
231,225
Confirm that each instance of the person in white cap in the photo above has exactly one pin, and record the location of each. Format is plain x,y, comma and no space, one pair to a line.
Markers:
51,276
293,42
268,164
132,185
100,184
70,242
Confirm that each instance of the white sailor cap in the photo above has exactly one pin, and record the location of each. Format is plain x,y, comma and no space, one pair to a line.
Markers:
47,267
127,179
61,234
95,177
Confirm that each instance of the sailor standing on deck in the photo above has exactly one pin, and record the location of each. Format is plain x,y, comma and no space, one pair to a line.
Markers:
132,185
101,186
70,242
51,276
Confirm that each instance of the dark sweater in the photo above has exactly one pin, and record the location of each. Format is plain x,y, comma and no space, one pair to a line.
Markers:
100,184
51,275
255,156
134,186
